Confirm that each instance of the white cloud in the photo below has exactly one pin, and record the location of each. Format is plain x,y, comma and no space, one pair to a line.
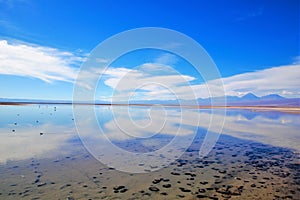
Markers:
283,80
25,144
145,83
148,81
102,60
296,60
167,59
44,63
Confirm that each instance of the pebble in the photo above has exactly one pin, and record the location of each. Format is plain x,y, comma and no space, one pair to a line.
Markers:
156,181
184,189
167,185
41,184
201,196
36,181
202,190
153,189
203,182
120,188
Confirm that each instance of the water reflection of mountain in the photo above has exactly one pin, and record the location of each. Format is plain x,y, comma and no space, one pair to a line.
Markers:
248,114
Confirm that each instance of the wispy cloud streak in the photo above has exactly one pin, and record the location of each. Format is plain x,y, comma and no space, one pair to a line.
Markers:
44,63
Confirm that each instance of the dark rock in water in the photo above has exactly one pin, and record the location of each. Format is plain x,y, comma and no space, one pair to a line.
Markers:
41,184
226,196
41,133
184,189
214,168
222,171
218,181
119,187
167,185
202,190
223,190
182,162
253,185
166,180
235,191
180,196
292,191
153,189
146,194
65,186
123,190
164,193
201,196
203,182
190,174
13,130
36,180
156,181
175,173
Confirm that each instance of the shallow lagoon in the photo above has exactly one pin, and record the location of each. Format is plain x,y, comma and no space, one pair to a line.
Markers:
43,157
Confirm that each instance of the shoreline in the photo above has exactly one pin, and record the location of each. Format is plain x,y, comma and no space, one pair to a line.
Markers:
286,109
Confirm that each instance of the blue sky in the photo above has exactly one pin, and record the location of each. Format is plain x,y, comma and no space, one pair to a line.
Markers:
44,42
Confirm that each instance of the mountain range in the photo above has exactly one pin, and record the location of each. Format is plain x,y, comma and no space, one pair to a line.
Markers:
252,100
246,100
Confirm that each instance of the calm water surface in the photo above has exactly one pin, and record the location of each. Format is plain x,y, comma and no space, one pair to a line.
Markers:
42,157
